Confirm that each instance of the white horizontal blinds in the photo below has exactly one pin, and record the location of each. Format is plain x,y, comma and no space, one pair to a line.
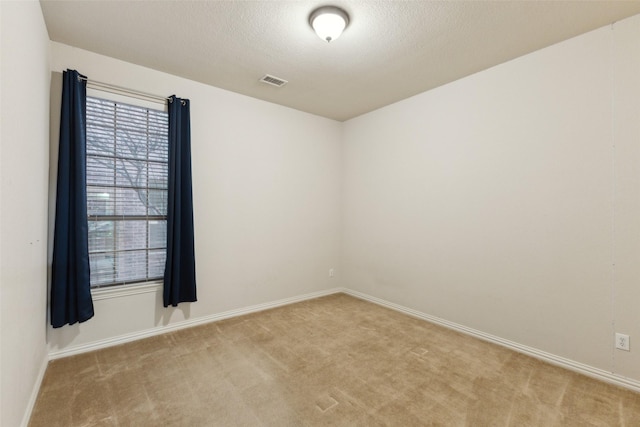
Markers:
127,173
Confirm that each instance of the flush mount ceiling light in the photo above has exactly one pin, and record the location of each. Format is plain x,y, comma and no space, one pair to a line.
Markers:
328,22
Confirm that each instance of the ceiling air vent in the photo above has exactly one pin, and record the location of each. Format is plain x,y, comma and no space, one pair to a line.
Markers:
273,80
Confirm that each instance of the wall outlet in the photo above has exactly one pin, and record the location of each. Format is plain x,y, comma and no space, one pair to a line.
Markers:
622,341
331,272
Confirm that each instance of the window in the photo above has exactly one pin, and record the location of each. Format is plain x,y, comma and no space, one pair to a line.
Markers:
127,168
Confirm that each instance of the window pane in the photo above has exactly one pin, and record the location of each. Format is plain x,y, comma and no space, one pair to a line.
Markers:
101,236
100,170
157,234
158,123
101,111
100,126
158,202
131,202
131,173
102,268
131,235
131,266
100,201
158,175
157,260
158,147
100,141
131,145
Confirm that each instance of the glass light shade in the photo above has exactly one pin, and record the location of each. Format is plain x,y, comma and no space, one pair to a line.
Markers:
329,22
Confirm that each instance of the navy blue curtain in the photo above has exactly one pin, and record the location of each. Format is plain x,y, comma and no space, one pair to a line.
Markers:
70,288
180,270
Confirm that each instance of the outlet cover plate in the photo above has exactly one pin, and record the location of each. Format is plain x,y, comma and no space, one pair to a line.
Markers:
622,341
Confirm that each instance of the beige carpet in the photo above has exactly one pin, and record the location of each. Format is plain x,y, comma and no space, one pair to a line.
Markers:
336,361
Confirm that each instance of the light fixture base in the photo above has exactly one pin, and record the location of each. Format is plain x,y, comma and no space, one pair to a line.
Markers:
329,22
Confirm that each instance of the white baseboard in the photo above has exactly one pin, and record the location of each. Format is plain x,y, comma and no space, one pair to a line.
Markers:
121,339
34,393
553,359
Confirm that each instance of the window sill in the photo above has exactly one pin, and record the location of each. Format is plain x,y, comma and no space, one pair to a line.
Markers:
125,290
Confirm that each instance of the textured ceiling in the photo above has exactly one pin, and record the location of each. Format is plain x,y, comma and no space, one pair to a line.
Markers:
391,49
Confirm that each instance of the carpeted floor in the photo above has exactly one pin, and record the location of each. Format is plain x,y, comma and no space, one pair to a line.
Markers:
334,361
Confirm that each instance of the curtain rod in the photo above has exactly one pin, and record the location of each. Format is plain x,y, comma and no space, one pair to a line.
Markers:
119,90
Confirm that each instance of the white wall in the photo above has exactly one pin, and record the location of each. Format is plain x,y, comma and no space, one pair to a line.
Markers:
24,163
626,130
267,188
501,201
